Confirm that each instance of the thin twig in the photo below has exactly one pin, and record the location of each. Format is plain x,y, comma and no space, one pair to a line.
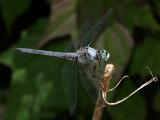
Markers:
154,79
100,104
126,76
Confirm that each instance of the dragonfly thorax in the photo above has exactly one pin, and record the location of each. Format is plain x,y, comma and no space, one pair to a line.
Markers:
88,54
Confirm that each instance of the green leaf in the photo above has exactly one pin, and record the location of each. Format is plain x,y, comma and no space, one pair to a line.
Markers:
146,54
12,9
29,38
118,43
7,57
133,13
62,22
36,79
156,103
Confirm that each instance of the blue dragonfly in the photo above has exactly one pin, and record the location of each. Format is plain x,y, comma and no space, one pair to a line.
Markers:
86,63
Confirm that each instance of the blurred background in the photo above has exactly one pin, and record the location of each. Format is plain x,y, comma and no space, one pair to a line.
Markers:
31,85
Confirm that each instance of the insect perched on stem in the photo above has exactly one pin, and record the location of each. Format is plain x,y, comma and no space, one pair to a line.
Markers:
86,58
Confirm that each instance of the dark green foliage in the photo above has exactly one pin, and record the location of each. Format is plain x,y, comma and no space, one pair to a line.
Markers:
36,89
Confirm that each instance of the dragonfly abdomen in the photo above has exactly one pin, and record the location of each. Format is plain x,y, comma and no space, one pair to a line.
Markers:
66,55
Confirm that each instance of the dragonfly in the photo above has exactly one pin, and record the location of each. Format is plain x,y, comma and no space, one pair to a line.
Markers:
86,62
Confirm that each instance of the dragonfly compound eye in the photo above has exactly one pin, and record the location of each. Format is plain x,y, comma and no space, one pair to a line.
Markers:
102,55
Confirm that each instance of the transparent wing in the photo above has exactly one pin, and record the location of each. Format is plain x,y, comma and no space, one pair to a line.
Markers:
90,35
91,76
83,34
70,76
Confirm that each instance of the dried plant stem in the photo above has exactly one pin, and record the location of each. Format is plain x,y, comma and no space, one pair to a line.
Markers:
154,79
100,104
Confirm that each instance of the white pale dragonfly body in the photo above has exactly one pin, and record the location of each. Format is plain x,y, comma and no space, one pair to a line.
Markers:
91,74
83,55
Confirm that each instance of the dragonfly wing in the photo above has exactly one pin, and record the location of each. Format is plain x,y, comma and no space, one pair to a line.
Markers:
91,76
91,35
83,34
70,76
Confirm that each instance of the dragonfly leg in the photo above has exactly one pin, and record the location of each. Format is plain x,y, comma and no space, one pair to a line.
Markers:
76,60
85,53
94,71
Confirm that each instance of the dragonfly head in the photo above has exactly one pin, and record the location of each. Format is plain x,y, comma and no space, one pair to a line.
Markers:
103,55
